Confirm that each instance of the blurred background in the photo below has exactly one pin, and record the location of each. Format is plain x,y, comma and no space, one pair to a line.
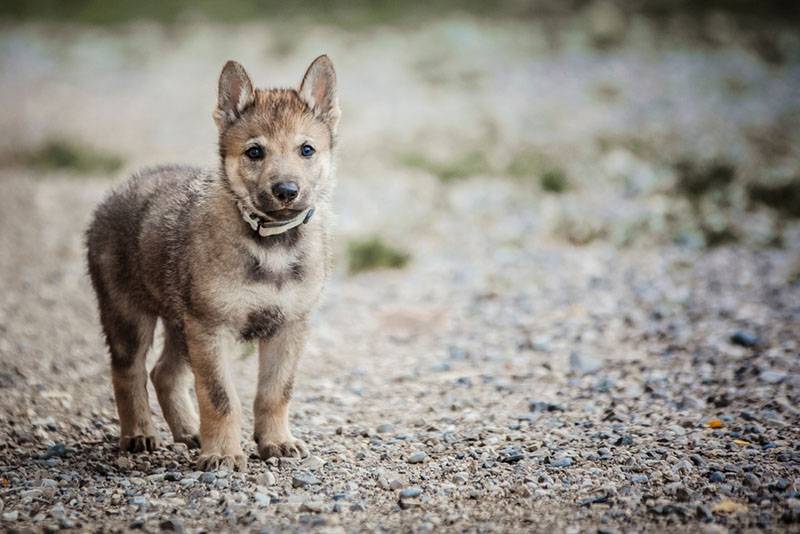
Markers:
526,188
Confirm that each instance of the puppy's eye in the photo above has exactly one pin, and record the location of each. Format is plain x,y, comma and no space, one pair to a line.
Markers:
255,152
307,150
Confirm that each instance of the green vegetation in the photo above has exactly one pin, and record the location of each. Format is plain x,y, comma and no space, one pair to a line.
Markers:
529,164
468,164
372,253
58,154
554,181
354,14
695,180
783,197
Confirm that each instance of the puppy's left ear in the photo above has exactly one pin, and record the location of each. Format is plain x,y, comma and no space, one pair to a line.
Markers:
318,89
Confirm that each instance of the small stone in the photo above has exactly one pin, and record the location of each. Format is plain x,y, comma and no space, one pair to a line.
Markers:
779,484
55,451
266,479
745,339
173,476
171,525
48,483
11,516
312,463
511,455
208,478
772,377
417,457
716,476
583,363
124,463
385,428
301,480
138,500
639,479
410,493
261,499
312,506
188,482
565,461
544,406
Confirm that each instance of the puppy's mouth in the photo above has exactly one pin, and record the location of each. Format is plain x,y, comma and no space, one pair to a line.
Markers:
282,215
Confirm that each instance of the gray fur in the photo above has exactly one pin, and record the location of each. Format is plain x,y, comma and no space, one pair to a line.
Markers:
171,243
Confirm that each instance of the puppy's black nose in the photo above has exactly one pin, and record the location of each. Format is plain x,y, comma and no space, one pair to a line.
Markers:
285,191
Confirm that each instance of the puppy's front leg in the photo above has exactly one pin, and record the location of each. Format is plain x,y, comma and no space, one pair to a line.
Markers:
220,409
278,357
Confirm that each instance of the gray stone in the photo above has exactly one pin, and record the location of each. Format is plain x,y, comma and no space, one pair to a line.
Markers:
417,457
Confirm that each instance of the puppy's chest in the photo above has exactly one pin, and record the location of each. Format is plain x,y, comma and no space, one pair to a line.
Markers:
271,287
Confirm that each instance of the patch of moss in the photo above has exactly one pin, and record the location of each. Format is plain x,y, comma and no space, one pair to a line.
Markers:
468,164
58,154
525,164
554,180
531,164
373,253
695,179
783,197
794,274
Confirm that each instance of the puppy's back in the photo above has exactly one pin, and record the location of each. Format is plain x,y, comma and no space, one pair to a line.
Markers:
135,232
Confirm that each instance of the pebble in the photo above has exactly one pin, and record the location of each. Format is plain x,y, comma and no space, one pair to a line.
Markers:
772,377
417,457
745,339
410,493
565,461
11,516
301,480
312,463
208,478
266,479
385,428
171,525
55,451
584,363
716,476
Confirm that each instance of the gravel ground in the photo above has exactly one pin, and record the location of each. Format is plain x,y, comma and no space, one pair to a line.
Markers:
509,378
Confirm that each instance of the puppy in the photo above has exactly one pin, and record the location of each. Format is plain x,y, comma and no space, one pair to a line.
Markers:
238,252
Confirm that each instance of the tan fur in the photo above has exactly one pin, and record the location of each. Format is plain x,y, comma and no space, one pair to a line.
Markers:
172,244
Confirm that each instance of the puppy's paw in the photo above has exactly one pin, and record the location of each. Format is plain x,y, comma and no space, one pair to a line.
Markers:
190,440
139,443
231,462
292,448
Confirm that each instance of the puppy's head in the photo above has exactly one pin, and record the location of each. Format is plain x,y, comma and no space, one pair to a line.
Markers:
276,145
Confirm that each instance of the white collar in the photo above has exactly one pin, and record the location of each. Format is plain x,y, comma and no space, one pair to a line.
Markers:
267,228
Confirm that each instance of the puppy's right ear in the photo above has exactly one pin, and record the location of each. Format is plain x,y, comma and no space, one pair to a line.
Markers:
235,95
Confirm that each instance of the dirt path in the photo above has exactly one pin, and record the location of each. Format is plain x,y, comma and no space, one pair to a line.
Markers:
529,370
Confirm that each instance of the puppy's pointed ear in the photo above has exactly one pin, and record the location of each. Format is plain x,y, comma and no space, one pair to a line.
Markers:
318,89
235,95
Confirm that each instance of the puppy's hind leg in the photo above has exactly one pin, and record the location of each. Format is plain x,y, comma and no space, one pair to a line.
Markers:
172,377
129,337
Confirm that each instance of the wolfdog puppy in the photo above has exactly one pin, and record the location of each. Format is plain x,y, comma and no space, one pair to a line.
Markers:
239,252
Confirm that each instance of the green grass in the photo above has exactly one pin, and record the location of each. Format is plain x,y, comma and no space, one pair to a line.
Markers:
783,197
59,154
696,179
471,163
373,253
554,181
354,14
529,164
